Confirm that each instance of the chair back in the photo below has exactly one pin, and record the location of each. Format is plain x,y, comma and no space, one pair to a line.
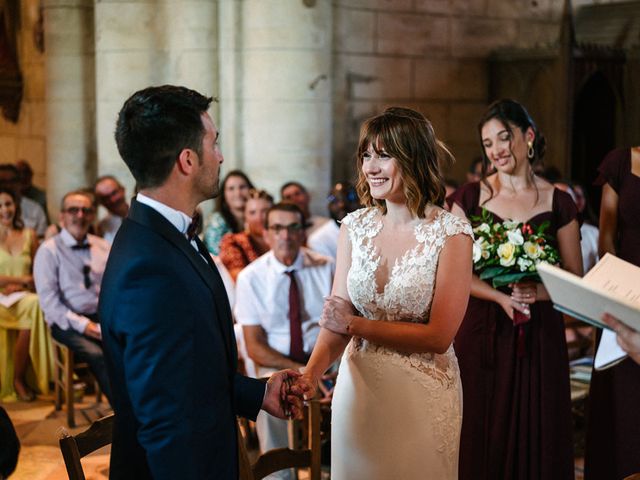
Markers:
74,447
284,458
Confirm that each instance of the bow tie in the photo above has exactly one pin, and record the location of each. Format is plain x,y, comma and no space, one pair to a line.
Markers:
194,226
81,246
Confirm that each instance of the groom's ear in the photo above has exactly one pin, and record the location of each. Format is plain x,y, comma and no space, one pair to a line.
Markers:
187,160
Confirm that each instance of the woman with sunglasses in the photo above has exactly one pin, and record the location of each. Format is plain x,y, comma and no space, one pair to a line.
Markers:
25,349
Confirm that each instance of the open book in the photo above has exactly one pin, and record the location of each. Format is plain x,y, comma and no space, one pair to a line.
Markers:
611,286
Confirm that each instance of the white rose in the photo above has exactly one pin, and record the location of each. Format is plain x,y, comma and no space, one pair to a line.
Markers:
482,228
532,250
515,237
506,252
524,264
510,224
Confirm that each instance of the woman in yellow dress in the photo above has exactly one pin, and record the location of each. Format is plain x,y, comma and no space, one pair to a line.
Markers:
25,349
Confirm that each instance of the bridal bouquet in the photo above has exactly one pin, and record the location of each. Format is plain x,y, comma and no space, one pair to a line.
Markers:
508,252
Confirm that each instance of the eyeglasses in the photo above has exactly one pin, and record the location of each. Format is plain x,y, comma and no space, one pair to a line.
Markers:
291,228
77,210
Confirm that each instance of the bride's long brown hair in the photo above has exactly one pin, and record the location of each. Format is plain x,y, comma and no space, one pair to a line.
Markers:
408,137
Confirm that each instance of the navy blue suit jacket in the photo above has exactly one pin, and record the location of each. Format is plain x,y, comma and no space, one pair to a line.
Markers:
171,355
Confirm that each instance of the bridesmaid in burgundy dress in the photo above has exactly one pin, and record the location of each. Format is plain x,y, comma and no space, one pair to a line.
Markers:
516,421
613,428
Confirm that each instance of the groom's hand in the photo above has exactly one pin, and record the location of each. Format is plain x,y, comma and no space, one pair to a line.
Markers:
279,400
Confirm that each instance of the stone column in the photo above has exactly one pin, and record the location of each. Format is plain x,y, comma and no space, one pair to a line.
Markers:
70,93
144,43
276,92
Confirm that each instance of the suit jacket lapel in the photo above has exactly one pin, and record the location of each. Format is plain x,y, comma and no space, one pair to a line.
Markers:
150,218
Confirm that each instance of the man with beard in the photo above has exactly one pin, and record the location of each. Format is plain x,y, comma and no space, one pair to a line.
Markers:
166,320
67,271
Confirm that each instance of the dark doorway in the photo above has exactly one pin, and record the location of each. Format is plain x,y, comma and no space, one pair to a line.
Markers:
594,126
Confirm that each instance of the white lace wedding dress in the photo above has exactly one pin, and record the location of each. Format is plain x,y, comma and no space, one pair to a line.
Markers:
396,415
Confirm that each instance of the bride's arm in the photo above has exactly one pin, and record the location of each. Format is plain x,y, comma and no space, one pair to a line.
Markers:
451,295
330,345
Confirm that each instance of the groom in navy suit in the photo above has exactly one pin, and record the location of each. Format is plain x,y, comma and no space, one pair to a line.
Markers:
166,323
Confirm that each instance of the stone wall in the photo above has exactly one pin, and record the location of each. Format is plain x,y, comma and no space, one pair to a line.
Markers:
429,55
26,138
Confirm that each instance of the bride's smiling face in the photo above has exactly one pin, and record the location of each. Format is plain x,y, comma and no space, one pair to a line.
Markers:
383,174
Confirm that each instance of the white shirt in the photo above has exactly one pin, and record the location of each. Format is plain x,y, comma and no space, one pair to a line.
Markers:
109,226
262,296
316,222
33,216
589,246
325,239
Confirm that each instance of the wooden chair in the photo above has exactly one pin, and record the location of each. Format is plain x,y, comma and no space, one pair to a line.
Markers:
74,447
284,458
64,367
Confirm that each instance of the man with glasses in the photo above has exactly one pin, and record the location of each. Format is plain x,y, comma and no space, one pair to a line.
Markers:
67,271
111,195
279,299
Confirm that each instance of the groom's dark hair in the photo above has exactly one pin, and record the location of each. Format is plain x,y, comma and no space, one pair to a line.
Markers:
154,126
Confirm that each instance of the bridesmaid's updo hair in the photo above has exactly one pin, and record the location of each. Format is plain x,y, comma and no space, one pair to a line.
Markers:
408,137
511,113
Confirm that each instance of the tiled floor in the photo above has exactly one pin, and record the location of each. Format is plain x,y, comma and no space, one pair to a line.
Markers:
39,426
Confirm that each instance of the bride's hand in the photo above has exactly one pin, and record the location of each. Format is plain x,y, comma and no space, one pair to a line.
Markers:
304,386
336,315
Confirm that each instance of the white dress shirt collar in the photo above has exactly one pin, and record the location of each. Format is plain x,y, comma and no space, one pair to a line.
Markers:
281,267
69,240
178,219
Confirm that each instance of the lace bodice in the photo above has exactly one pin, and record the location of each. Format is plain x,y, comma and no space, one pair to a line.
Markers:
409,291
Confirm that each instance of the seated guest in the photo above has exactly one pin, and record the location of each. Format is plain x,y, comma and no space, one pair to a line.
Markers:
295,192
33,215
25,348
228,216
343,199
111,195
68,272
28,189
237,250
279,299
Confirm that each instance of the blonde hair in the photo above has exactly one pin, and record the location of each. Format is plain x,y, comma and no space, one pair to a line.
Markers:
408,137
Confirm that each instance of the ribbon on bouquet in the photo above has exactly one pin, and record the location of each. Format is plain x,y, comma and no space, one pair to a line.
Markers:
519,320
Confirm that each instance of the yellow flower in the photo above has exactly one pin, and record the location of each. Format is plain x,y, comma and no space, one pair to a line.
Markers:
506,253
532,250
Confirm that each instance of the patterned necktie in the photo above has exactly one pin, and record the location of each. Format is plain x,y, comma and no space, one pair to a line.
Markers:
296,349
194,226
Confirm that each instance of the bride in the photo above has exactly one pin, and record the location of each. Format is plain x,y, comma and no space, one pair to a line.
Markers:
400,292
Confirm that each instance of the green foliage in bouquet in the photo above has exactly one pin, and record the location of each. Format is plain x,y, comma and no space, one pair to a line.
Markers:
508,252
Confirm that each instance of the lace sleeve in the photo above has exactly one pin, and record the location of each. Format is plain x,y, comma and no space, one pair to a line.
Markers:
454,225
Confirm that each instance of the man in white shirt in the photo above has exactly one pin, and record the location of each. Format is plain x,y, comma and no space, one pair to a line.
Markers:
111,195
280,318
68,272
342,199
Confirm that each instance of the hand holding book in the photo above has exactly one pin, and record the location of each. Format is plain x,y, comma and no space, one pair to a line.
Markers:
628,338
